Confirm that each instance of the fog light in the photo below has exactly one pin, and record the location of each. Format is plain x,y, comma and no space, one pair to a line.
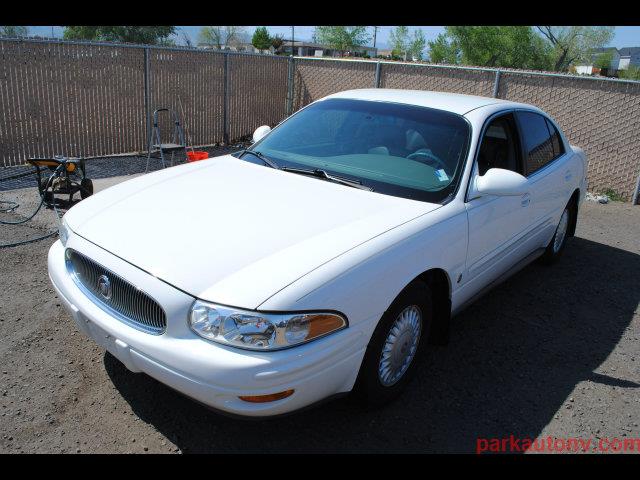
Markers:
272,397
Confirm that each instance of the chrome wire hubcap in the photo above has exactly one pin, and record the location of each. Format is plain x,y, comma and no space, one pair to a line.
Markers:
400,346
561,231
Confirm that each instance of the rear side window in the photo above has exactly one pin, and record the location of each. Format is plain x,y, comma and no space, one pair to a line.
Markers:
538,143
558,148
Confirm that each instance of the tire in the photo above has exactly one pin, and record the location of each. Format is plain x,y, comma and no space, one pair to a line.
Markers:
559,240
376,385
86,188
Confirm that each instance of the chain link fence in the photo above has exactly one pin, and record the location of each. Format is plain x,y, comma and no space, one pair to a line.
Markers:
602,116
90,99
69,99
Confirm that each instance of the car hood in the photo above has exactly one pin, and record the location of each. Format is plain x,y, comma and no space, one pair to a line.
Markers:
232,232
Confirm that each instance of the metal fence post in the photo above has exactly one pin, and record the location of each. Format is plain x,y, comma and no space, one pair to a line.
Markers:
635,198
377,80
225,109
496,84
147,96
290,79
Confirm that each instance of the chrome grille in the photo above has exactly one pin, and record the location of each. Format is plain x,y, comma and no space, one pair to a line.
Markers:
124,301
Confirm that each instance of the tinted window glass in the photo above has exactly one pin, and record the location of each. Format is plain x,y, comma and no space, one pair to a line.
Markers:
499,148
396,149
538,146
558,149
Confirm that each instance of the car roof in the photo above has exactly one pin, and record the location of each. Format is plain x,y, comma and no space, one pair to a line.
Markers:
451,102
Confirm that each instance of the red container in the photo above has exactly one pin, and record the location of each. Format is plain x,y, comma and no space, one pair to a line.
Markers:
197,155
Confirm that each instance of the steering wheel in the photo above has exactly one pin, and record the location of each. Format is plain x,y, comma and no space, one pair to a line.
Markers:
425,156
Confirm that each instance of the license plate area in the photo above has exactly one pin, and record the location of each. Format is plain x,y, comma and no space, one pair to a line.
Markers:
114,346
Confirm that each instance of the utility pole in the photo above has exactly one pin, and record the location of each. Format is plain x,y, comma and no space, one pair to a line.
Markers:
375,32
293,30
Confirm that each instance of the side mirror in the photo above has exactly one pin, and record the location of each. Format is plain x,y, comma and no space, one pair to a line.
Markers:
498,181
261,132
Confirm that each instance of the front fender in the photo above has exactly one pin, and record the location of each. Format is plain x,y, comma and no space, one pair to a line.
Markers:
363,282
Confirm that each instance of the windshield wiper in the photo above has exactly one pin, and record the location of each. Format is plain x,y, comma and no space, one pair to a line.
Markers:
261,156
318,173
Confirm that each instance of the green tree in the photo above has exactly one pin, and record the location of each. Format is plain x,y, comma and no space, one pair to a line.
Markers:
220,36
572,44
341,38
631,73
261,39
277,41
603,60
186,39
13,31
399,40
148,35
501,46
444,50
418,42
407,45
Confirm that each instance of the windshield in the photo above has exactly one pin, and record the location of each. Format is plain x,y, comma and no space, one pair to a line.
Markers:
402,150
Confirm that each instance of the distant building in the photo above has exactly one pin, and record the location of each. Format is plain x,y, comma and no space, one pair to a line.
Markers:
620,60
386,53
629,56
236,47
310,49
590,68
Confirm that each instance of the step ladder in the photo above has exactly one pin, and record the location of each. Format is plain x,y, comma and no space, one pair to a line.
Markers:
157,147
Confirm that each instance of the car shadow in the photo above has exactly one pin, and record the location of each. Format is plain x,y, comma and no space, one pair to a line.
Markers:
513,360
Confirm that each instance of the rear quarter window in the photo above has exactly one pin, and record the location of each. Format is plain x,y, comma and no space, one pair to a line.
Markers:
558,147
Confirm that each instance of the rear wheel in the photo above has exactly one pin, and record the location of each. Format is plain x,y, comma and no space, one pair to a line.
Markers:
559,240
397,342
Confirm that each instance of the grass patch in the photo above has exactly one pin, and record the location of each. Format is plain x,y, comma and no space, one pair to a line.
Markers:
612,194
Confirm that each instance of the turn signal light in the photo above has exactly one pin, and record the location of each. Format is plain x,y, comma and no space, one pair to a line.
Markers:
272,397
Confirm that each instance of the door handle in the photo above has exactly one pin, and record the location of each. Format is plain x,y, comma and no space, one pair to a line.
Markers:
567,175
525,200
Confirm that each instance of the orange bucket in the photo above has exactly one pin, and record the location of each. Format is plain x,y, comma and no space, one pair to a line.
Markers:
197,155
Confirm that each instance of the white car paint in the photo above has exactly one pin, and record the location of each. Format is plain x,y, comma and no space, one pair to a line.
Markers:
252,237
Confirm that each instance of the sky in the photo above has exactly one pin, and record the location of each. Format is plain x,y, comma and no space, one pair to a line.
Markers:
627,36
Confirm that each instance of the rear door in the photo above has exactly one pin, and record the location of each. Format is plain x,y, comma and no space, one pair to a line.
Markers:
547,171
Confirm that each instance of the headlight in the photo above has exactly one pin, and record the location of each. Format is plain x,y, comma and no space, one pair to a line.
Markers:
260,331
63,231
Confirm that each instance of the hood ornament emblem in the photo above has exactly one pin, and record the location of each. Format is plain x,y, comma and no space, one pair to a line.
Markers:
104,287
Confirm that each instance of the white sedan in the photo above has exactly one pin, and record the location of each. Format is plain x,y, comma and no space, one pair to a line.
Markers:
325,257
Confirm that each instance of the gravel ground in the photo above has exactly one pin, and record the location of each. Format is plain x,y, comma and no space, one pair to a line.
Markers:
552,352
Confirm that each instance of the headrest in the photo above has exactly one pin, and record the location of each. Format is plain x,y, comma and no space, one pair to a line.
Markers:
415,140
378,151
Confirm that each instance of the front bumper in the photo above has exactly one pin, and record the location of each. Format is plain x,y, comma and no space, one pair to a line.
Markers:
210,373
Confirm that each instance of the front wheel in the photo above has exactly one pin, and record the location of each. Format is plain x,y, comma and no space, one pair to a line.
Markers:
559,240
397,342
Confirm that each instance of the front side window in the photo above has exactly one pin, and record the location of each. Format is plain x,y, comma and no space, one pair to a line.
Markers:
538,143
499,147
396,149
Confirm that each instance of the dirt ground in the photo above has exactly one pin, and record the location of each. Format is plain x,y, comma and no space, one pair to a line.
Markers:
552,352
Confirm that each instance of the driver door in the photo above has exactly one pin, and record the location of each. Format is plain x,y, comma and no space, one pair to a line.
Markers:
497,224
